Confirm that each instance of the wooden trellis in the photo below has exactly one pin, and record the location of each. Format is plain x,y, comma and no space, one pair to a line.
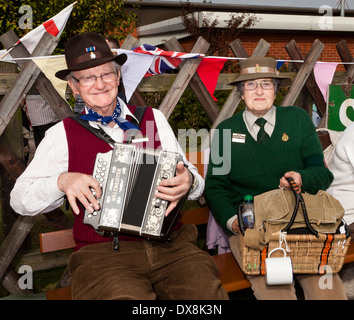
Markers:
31,75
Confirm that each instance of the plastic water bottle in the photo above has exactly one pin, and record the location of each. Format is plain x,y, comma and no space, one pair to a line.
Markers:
248,212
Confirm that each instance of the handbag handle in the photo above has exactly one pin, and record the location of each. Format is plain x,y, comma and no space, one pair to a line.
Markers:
299,200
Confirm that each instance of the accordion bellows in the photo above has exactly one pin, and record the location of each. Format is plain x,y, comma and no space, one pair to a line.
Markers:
129,176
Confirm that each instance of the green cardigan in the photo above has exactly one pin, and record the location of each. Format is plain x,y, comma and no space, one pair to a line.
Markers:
236,169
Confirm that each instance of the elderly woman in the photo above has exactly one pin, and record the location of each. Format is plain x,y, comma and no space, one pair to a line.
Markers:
261,147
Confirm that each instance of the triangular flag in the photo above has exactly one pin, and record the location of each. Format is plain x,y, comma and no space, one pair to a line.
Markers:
208,71
54,26
324,72
280,64
49,67
134,69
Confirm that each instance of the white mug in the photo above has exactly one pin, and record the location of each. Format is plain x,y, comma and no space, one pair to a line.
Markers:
279,270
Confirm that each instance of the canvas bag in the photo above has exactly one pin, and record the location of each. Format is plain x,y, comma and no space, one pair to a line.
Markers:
274,211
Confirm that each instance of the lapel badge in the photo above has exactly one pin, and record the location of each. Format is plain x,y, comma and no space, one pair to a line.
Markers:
285,137
238,138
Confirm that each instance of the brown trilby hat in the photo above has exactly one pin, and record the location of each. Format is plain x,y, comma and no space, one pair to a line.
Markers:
259,68
85,51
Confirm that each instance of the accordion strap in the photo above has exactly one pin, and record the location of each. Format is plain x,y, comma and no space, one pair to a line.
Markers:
100,133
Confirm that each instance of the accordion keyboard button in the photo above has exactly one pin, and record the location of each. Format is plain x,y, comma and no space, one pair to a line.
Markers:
157,203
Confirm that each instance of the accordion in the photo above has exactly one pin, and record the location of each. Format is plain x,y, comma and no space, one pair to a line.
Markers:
128,176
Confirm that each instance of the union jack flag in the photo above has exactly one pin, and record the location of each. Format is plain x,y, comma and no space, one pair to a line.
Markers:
164,60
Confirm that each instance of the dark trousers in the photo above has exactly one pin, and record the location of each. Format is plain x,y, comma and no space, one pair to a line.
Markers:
146,270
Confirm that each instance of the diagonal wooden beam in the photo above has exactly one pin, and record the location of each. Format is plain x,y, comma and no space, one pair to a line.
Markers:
44,86
10,103
8,107
183,78
311,84
14,240
197,85
346,56
303,73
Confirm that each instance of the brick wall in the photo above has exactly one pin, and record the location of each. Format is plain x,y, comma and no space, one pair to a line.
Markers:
303,40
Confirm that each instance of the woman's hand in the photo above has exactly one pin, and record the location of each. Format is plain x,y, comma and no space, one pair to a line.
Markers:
235,226
292,174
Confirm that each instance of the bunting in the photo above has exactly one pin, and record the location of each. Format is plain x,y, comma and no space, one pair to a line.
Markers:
324,72
54,26
163,60
208,71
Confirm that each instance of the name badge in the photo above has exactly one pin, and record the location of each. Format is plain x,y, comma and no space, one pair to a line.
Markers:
238,137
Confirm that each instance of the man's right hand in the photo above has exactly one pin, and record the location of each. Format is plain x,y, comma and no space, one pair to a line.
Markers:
79,186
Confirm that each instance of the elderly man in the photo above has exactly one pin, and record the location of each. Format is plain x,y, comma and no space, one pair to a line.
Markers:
63,166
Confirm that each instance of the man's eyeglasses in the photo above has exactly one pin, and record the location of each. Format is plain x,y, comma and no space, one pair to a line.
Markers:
253,85
91,80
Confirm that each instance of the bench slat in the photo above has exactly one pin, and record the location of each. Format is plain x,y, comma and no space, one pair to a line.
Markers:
195,216
56,240
59,294
231,276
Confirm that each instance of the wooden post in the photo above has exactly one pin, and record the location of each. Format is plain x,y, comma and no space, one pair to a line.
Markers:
44,86
303,73
183,78
11,245
24,81
8,107
346,56
311,84
197,85
344,53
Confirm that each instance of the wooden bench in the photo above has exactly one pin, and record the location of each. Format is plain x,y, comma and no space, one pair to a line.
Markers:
231,276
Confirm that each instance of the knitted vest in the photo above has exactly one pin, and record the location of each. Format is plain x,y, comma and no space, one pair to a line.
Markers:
83,147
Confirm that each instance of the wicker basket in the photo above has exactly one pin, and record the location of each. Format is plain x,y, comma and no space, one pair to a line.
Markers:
309,254
312,253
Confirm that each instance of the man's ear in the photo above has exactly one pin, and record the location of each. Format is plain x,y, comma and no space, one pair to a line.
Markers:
72,85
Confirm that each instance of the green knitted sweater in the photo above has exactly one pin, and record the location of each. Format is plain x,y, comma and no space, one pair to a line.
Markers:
236,169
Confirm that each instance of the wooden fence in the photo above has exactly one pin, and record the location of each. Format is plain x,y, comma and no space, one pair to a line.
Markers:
18,86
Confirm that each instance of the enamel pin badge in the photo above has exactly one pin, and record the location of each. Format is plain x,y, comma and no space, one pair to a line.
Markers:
238,137
91,49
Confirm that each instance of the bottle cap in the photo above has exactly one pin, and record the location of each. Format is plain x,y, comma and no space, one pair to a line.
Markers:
248,197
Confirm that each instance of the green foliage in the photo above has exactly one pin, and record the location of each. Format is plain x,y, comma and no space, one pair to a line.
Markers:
218,38
102,16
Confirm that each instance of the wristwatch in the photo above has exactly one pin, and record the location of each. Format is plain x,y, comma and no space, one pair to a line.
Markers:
194,182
